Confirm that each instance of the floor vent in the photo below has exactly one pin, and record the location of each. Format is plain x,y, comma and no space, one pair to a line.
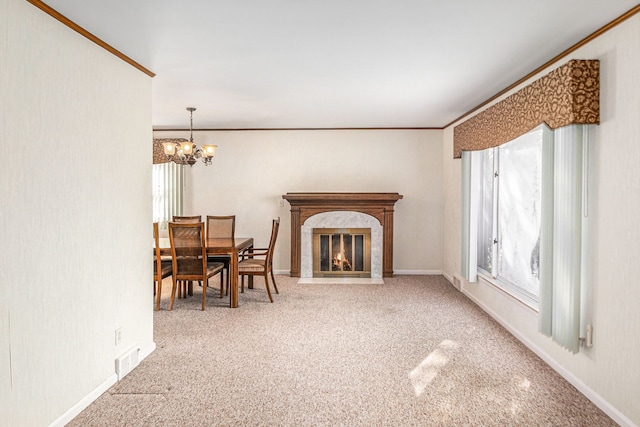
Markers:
127,362
457,283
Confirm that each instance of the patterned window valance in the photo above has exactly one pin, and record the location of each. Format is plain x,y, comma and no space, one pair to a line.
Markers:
158,151
568,95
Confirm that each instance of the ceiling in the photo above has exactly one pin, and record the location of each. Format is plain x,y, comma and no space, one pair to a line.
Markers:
247,64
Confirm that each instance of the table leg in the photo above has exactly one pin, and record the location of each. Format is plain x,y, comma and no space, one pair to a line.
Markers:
250,277
233,279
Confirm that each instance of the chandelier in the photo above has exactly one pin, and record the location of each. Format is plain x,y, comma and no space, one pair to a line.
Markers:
186,153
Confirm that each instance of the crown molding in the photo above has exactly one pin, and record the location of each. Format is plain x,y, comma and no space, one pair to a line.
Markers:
75,27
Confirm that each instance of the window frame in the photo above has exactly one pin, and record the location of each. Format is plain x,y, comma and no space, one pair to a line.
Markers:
493,277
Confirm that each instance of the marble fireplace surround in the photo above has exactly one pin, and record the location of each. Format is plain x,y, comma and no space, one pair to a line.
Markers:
353,210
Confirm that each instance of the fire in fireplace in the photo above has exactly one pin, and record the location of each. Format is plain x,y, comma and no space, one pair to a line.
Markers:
340,252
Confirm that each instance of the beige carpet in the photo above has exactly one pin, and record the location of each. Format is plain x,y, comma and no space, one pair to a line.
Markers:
411,352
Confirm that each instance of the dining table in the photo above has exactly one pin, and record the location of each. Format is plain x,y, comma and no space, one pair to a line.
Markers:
220,246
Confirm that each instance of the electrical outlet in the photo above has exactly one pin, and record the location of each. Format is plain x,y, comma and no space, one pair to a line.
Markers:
118,336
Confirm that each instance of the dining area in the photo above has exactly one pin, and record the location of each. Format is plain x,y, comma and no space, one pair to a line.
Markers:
192,251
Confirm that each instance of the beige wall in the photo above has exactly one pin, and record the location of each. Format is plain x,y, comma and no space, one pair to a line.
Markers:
73,210
253,169
608,373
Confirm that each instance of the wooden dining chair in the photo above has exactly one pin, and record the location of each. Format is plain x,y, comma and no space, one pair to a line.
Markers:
161,268
221,227
189,219
259,261
192,218
189,258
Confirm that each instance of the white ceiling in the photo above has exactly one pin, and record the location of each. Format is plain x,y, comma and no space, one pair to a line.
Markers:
334,63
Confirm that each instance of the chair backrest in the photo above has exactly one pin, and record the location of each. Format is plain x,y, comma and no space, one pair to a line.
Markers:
221,227
157,266
275,226
191,219
188,252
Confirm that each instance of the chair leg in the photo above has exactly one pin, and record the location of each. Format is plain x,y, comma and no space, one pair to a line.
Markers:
173,294
274,282
183,286
266,283
228,282
221,284
158,292
204,293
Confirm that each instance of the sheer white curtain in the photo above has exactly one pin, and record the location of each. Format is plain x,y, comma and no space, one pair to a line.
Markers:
565,214
470,200
168,192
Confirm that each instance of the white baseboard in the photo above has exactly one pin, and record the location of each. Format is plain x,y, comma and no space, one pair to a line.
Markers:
589,393
147,350
448,277
84,402
417,272
72,412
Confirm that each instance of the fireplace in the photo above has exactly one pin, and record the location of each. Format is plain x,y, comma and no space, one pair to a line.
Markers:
342,210
341,252
340,220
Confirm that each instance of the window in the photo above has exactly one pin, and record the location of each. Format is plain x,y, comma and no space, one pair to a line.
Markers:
524,218
509,215
167,183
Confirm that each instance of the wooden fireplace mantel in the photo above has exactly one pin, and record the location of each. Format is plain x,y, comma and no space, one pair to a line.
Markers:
378,205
